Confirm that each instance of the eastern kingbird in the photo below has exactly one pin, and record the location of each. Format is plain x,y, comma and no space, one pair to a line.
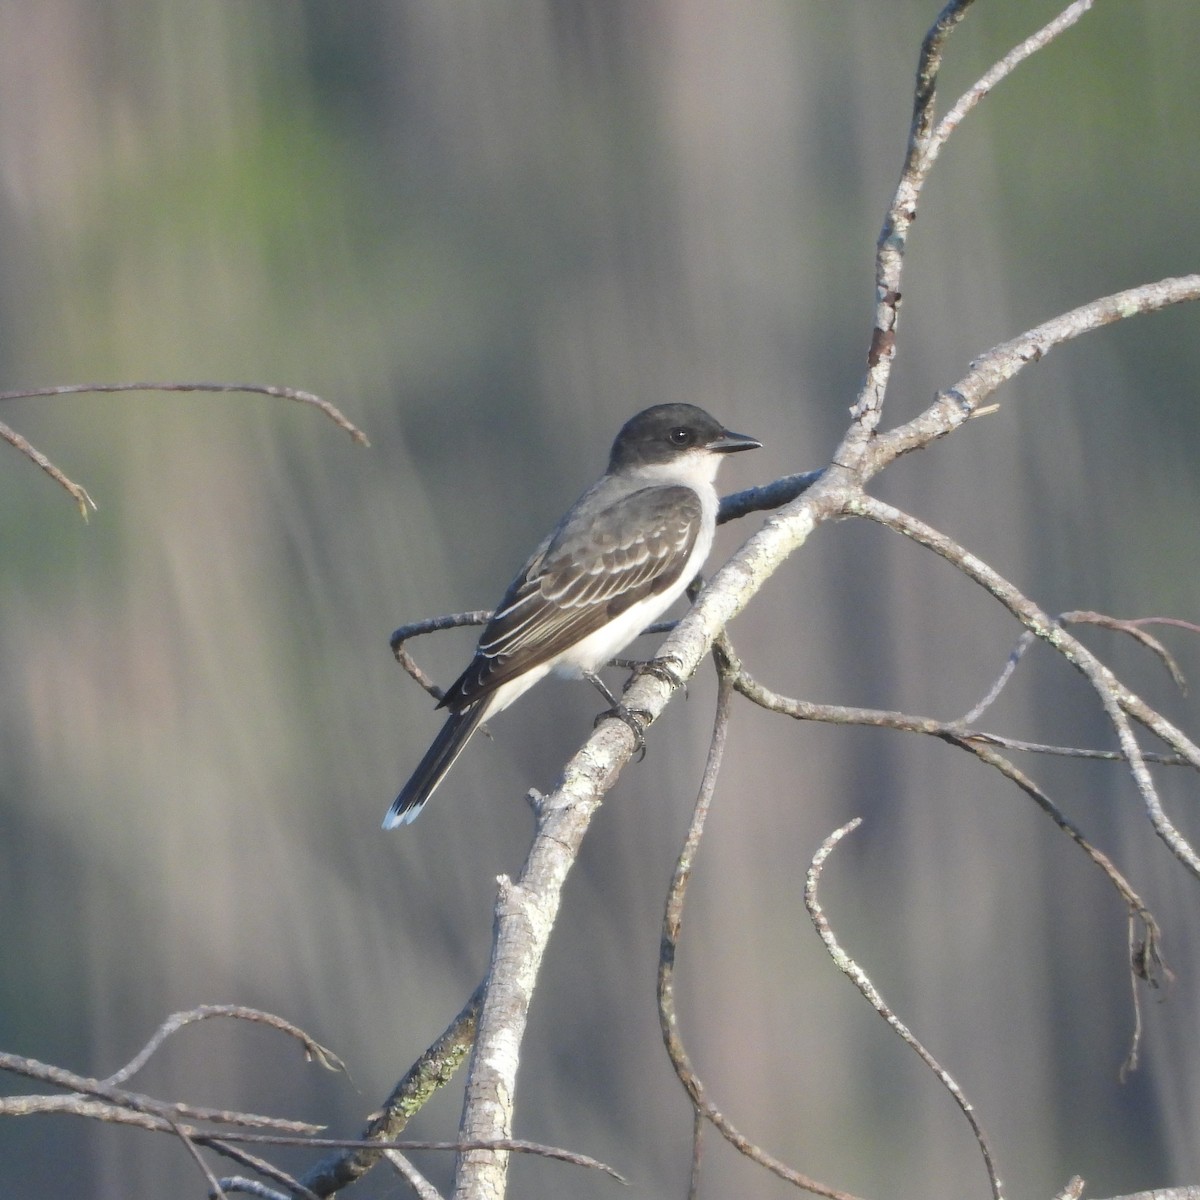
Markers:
619,558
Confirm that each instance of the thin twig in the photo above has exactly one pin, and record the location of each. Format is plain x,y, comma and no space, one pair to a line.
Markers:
433,1070
415,1180
1001,70
176,1021
264,1167
479,616
672,925
768,497
893,238
169,1112
1145,957
251,1187
215,1188
880,718
1118,702
697,1153
1010,665
1133,627
860,979
77,491
505,1145
257,389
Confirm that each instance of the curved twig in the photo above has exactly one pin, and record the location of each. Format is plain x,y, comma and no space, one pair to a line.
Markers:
79,493
479,616
1145,956
1133,627
176,1021
672,924
258,389
1118,702
860,979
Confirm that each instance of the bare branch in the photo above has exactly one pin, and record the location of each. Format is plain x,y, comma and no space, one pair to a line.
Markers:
223,1146
928,66
924,143
1005,67
505,1145
415,1180
215,1188
79,493
769,496
176,1021
859,978
1135,631
251,1187
479,616
893,237
672,925
1133,627
1010,665
1114,697
35,456
434,1069
169,1112
697,1153
976,742
258,389
957,404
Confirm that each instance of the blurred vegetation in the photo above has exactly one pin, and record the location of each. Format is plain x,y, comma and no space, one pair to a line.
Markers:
490,233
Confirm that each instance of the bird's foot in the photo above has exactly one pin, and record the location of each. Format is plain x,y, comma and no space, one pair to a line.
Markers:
666,667
636,718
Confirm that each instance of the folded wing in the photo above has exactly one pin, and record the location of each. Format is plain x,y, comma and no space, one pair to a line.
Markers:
585,576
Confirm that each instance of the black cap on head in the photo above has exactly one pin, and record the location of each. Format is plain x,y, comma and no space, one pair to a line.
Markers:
666,431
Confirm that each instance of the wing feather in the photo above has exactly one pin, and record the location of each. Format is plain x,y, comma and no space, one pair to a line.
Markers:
587,573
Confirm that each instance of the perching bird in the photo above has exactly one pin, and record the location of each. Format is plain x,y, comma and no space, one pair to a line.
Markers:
619,558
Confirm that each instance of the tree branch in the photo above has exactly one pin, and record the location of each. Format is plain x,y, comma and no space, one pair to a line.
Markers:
672,927
78,493
862,981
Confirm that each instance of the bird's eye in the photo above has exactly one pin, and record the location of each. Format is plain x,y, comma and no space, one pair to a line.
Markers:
680,436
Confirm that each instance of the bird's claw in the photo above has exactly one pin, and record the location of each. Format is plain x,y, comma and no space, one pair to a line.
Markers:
637,719
666,667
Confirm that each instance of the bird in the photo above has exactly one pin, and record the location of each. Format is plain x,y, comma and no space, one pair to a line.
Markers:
621,555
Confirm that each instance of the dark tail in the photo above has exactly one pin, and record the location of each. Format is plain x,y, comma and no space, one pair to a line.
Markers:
439,758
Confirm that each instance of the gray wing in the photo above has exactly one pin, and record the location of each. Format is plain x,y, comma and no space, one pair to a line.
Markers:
589,572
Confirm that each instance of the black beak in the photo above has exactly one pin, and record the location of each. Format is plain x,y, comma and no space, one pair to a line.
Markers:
726,442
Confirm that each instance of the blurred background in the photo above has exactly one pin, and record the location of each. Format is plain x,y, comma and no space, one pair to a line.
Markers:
491,233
